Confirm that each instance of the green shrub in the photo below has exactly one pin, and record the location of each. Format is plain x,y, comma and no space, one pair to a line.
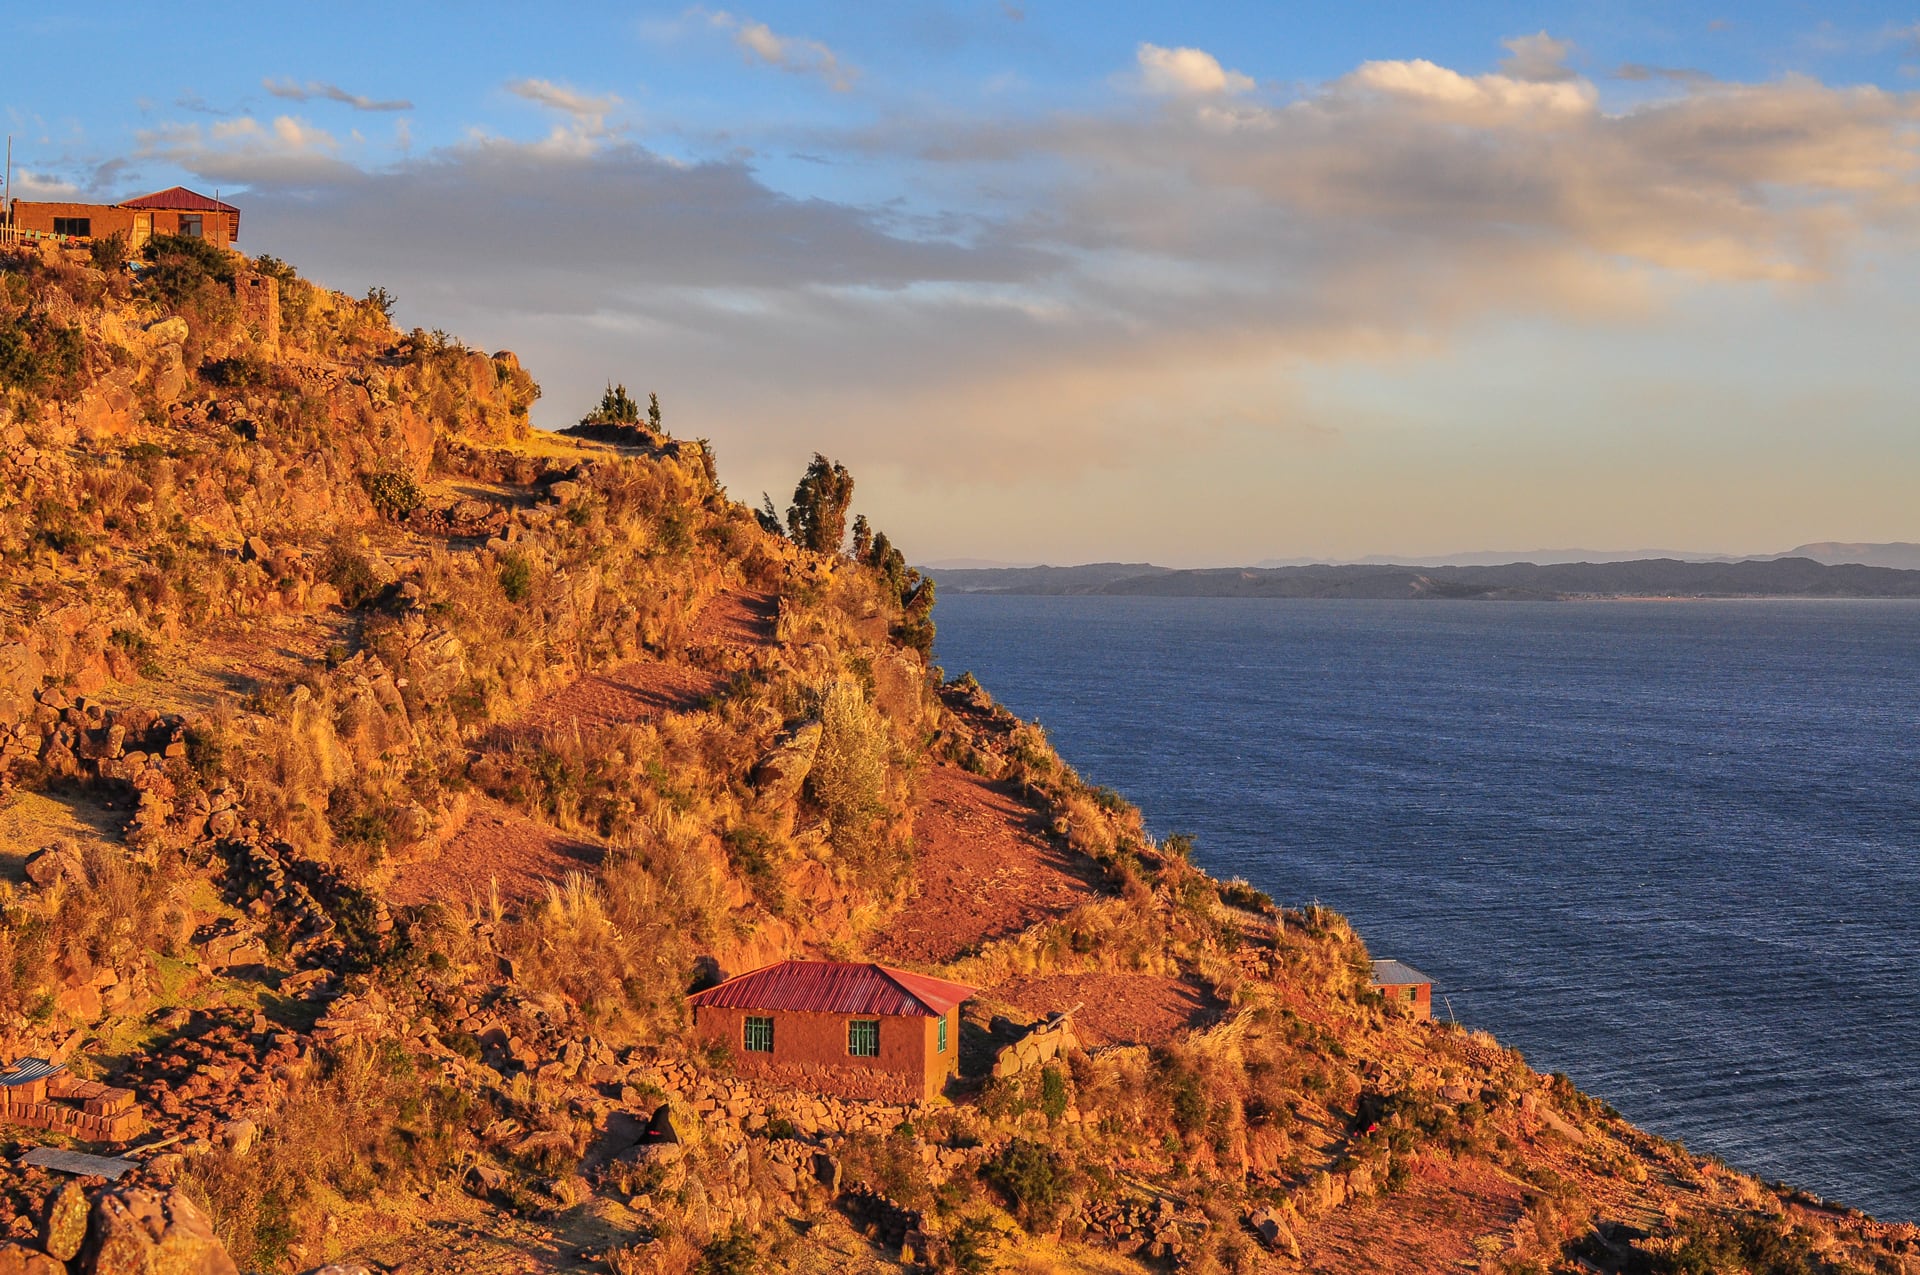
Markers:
349,571
1034,1179
1053,1093
178,265
393,493
39,356
110,252
516,578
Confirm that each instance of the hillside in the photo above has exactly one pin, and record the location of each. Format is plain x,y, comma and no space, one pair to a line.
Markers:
380,775
1785,577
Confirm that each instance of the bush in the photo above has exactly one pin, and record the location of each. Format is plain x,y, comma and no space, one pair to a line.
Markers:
849,777
1034,1179
516,578
180,264
350,573
393,493
38,355
109,253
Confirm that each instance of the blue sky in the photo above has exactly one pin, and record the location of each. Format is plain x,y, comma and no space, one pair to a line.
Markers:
1061,281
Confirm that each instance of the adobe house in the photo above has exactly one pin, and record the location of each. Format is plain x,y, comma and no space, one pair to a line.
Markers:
846,1028
173,211
1400,982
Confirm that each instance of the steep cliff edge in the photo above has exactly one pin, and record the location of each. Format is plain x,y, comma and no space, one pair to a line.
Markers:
378,775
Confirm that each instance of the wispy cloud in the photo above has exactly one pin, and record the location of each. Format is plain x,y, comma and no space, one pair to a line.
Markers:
584,107
1639,72
321,91
795,54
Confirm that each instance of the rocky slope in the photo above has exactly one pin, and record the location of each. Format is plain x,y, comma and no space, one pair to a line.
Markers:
377,775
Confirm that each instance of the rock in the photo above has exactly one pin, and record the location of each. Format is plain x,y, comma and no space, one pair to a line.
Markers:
237,1135
341,1268
137,1231
780,773
254,549
18,1259
827,1170
44,867
65,1227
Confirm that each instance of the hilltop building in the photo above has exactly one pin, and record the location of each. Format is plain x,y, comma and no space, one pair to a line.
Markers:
1398,981
173,211
845,1028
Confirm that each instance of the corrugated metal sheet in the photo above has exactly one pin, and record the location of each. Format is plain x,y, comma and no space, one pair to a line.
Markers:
27,1070
179,198
1396,974
79,1165
836,987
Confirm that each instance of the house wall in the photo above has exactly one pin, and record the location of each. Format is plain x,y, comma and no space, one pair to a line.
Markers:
1417,997
106,219
810,1052
216,228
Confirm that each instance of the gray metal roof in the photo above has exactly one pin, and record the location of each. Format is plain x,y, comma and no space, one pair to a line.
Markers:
1396,974
26,1070
80,1165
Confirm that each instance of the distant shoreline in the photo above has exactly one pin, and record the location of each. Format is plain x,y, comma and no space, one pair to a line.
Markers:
1645,580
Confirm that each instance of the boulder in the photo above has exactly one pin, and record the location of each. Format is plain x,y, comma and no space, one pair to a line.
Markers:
137,1231
784,769
44,867
18,1259
65,1228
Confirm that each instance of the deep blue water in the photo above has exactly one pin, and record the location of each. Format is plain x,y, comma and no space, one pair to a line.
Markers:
1672,849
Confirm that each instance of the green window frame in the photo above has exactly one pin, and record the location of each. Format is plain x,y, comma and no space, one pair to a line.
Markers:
863,1037
757,1035
941,1047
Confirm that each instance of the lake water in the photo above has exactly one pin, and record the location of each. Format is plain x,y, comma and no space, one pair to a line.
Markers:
1672,849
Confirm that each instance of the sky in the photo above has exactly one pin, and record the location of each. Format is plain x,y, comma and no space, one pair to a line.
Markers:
1195,284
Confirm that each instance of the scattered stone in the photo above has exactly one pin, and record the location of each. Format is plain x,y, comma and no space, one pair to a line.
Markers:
136,1231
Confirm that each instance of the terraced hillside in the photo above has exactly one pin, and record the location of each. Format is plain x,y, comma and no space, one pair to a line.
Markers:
378,775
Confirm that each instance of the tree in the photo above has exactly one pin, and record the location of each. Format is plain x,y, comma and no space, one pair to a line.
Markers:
769,517
862,538
653,413
616,408
817,519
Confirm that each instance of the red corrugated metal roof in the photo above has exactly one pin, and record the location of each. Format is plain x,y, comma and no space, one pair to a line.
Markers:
836,987
179,197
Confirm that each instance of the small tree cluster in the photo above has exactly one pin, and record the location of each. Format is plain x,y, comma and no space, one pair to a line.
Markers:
817,518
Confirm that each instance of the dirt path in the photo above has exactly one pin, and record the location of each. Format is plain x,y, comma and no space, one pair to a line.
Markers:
496,843
1429,1225
639,691
985,871
645,690
741,619
1116,1009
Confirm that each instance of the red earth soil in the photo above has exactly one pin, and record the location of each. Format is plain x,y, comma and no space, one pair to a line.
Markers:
737,619
495,843
1428,1225
1116,1009
985,871
645,690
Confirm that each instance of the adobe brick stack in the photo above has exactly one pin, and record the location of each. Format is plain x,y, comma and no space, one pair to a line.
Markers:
104,1113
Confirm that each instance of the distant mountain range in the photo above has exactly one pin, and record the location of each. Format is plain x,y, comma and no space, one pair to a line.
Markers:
1796,575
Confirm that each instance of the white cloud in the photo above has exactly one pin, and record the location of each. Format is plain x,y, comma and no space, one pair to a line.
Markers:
1144,267
1187,73
320,90
795,54
1536,57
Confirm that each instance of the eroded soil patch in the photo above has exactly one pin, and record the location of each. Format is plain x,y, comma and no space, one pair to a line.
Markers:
1116,1009
496,844
985,871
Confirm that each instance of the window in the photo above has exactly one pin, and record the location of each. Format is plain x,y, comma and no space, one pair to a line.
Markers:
863,1038
190,225
759,1035
80,226
942,1047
